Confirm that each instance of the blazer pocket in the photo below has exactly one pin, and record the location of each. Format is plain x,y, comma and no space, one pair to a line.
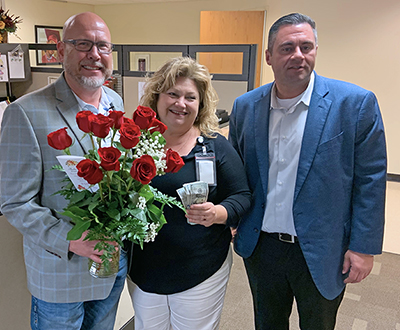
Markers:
331,143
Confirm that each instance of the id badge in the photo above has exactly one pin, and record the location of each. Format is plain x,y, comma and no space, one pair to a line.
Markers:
206,168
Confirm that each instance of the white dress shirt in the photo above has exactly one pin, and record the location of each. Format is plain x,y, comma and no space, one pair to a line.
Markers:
287,120
105,106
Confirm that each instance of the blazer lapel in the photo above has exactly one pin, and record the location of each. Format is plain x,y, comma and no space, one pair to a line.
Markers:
315,123
68,107
261,131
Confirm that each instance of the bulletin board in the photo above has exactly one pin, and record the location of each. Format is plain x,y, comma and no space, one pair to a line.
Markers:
14,66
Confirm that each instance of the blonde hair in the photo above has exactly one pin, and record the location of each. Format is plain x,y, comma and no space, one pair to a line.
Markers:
165,78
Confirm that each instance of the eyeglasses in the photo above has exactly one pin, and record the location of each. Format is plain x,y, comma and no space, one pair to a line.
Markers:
84,45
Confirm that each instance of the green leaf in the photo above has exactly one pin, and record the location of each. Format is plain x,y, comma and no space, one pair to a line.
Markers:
93,204
78,196
154,213
77,231
146,192
56,167
114,214
166,200
76,213
139,214
162,222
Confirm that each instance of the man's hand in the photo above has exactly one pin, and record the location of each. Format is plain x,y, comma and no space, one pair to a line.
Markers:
359,264
86,248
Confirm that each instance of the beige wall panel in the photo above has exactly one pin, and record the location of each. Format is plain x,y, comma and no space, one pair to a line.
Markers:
391,242
231,27
228,91
15,299
39,80
131,94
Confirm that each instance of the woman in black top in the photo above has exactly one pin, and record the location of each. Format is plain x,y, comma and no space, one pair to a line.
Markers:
180,279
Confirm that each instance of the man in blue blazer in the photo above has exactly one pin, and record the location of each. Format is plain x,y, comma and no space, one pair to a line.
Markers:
315,155
64,294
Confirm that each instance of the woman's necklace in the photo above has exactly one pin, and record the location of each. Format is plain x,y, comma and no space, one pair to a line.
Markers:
188,142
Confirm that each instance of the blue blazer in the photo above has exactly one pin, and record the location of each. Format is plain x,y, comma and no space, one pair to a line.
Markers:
339,196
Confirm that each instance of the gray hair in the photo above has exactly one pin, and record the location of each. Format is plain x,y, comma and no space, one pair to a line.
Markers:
290,19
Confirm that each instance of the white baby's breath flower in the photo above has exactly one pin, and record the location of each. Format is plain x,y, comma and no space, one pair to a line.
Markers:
150,237
141,203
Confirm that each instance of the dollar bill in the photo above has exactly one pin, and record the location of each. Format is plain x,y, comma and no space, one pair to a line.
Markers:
193,193
184,197
198,191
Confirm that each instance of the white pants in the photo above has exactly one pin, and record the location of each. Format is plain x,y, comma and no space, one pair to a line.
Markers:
198,308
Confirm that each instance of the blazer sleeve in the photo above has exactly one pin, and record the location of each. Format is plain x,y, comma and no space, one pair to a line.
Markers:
368,199
21,183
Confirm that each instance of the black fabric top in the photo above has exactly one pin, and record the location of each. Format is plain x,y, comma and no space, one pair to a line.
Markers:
185,255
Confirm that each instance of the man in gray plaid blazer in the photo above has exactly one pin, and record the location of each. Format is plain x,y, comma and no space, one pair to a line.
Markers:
64,294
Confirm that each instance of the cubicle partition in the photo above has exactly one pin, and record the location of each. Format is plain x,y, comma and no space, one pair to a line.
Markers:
232,67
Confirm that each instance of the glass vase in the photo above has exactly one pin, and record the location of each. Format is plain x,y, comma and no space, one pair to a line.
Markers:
100,270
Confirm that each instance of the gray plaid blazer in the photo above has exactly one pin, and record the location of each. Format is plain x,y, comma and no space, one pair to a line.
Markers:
27,187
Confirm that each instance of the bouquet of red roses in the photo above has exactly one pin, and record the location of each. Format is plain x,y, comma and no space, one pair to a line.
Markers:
117,202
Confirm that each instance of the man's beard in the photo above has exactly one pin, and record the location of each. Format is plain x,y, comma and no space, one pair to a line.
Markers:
88,82
94,82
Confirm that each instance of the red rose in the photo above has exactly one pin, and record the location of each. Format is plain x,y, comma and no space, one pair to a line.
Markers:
90,171
128,121
100,125
59,139
174,161
143,117
110,158
117,117
130,134
157,126
83,119
143,169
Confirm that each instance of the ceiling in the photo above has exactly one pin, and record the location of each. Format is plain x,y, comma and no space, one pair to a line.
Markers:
114,2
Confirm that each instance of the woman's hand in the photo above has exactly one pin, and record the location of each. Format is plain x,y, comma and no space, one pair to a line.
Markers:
207,214
233,232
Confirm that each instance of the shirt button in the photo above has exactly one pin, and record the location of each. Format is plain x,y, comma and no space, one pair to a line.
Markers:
280,183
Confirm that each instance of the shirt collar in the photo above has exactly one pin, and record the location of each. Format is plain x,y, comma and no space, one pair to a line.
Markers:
305,96
104,106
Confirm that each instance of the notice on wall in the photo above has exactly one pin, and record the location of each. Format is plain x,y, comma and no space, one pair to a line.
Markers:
16,64
3,68
140,89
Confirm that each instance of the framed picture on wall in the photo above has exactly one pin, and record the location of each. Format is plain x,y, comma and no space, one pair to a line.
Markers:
47,35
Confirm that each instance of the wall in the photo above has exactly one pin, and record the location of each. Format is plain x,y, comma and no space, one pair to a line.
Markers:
15,300
40,12
165,22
